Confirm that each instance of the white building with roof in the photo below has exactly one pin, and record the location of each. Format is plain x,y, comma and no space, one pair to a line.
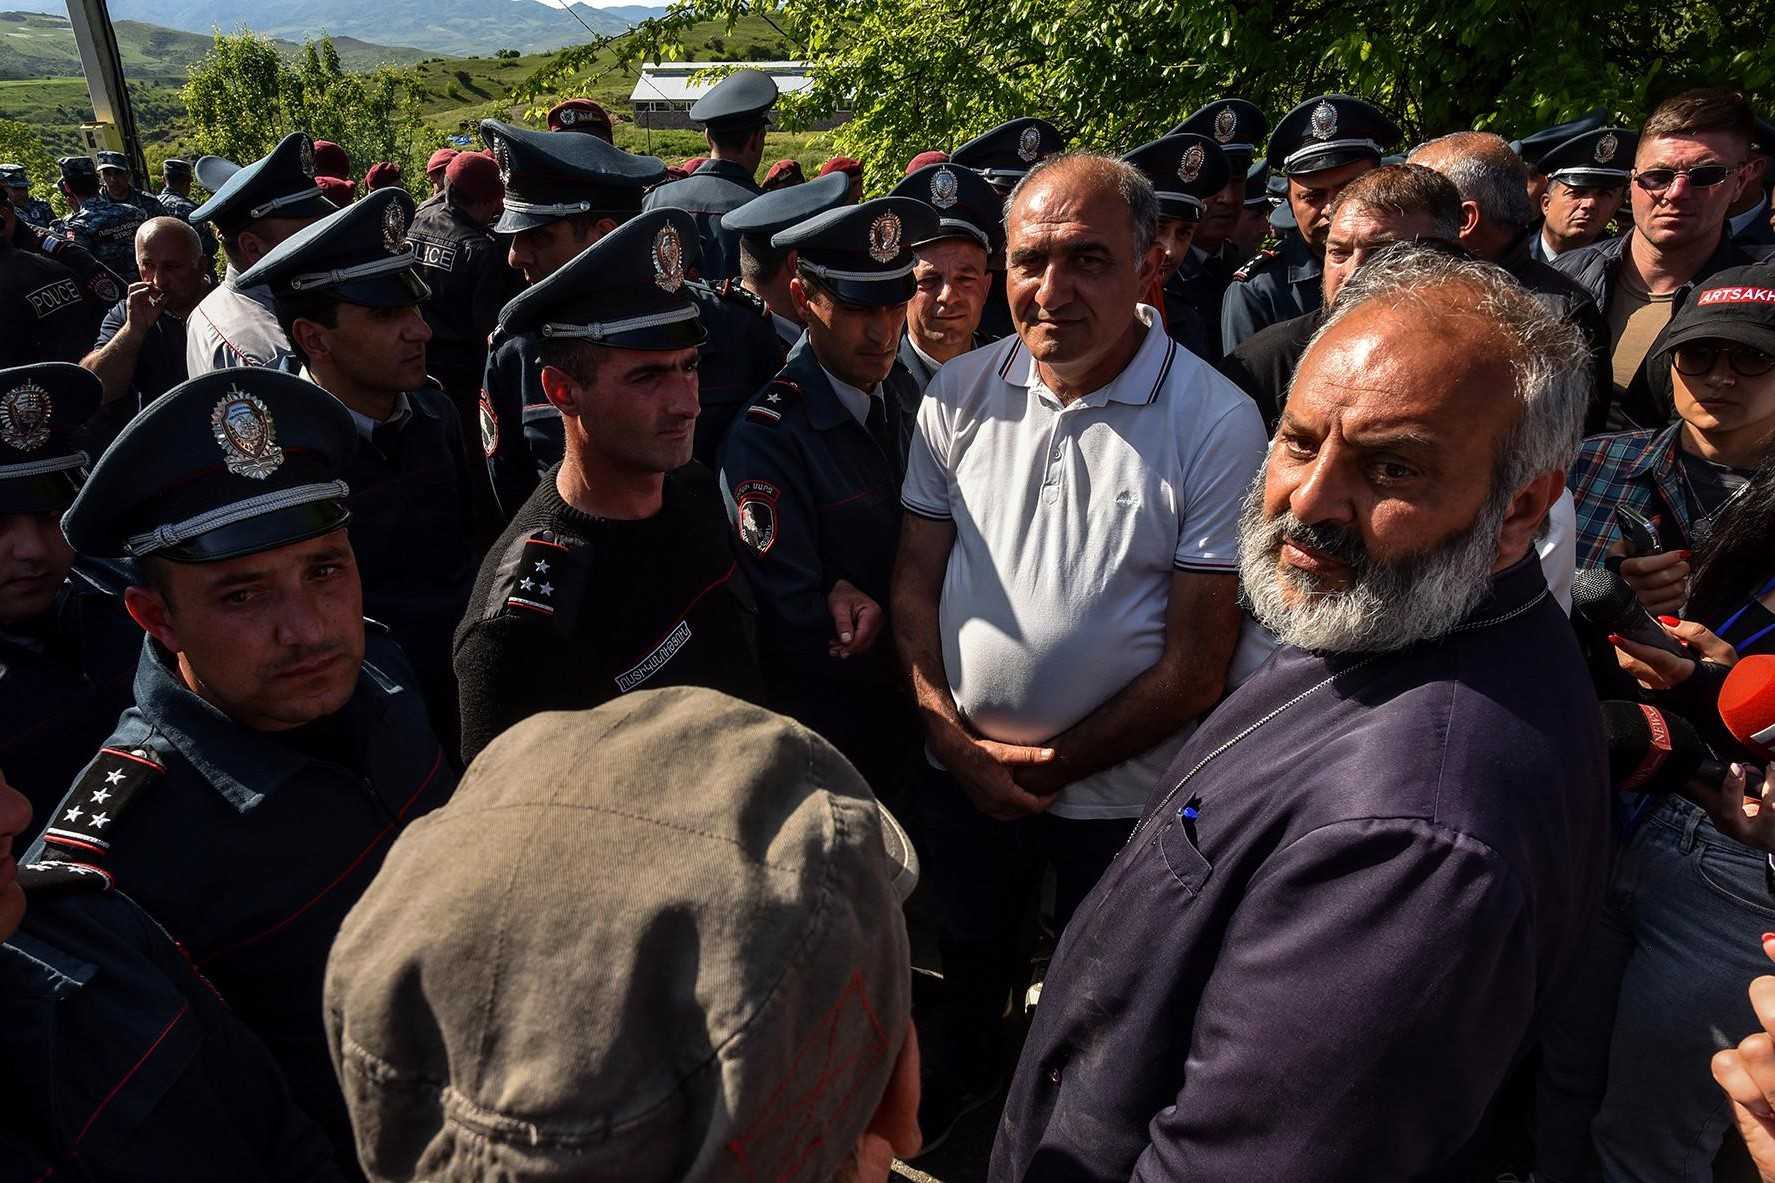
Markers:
665,91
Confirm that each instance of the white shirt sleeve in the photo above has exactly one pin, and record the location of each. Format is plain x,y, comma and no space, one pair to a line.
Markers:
1224,465
1558,549
925,491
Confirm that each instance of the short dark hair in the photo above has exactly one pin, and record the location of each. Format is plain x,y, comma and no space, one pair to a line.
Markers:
82,186
1708,109
156,577
579,359
1403,190
729,138
759,261
320,307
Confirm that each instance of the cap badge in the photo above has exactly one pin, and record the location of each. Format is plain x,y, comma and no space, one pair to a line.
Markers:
502,156
1605,147
1225,124
569,117
1029,144
884,237
944,188
394,228
1324,121
668,259
307,157
24,417
242,426
1190,167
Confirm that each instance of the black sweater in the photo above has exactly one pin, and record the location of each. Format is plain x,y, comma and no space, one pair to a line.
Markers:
571,610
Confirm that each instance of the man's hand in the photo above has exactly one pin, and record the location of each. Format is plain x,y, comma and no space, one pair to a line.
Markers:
143,306
986,771
1747,1074
856,620
1661,581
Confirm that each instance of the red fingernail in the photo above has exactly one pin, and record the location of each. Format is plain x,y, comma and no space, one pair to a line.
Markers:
1613,639
1685,553
1768,936
1668,620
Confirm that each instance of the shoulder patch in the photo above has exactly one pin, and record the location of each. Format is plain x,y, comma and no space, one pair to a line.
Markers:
542,575
1256,263
489,422
81,830
755,515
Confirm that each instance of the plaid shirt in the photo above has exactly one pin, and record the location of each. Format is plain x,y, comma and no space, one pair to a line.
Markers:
1638,469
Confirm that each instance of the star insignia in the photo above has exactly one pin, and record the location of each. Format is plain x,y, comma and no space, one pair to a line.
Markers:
100,796
100,820
526,583
547,589
773,397
542,566
114,777
73,815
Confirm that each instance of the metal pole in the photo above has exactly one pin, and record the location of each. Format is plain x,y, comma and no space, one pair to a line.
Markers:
103,67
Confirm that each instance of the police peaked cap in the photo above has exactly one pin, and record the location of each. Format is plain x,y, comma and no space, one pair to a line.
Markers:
1602,158
742,99
966,204
1234,124
1329,131
358,254
42,407
549,176
1010,150
1537,144
782,208
625,291
230,463
280,185
862,253
1185,170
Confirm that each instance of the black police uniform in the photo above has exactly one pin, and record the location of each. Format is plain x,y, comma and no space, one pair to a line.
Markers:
814,497
249,845
551,176
119,1061
465,267
150,207
1325,132
1201,280
1264,363
1003,155
417,527
571,610
65,676
738,102
47,314
101,286
753,224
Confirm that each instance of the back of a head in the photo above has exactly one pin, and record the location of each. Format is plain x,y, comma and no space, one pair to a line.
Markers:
1713,109
471,179
1405,191
1484,171
660,940
1548,359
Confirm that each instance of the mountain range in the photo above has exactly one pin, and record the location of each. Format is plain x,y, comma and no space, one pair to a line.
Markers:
448,27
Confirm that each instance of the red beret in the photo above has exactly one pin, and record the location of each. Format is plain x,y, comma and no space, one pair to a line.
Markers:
842,164
474,177
783,174
924,158
337,190
381,175
694,163
330,160
440,160
580,115
674,173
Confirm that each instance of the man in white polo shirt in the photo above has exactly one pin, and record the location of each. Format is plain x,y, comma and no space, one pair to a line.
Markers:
1065,593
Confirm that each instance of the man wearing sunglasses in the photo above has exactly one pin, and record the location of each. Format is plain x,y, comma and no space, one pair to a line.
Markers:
1686,174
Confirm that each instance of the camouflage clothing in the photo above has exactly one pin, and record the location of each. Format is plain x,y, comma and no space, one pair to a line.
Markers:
107,229
181,207
36,211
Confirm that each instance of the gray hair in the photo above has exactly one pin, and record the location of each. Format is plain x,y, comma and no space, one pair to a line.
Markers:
1096,168
154,227
1549,359
1486,172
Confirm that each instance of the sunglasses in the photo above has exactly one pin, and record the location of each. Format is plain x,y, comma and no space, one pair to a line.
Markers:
1702,176
1695,358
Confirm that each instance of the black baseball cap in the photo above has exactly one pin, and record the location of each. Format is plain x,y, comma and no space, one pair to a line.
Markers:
1737,304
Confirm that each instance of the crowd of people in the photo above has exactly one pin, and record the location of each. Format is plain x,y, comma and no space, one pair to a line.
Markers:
483,680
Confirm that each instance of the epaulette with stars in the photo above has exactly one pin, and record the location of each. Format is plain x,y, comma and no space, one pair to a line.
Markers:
79,836
542,576
735,292
1256,263
766,407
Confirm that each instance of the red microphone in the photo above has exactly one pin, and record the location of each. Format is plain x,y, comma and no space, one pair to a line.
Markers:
1747,703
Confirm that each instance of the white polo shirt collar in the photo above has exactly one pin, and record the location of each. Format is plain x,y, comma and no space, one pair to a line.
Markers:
1137,385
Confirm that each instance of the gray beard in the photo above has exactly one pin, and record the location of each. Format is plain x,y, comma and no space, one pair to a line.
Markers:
1387,606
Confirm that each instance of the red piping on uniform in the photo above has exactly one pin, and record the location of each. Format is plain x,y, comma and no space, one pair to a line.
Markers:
341,877
118,1087
863,496
694,601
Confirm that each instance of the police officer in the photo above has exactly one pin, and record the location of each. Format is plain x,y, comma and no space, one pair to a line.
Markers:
735,115
48,317
105,228
67,650
1748,218
1538,143
175,197
1585,183
811,476
253,209
1254,219
1188,173
153,1075
274,750
465,267
952,273
1319,147
1003,155
1236,127
120,186
100,288
616,574
562,193
581,115
347,296
17,183
764,270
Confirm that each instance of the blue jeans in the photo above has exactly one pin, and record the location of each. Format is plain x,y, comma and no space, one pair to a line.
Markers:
1625,1091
